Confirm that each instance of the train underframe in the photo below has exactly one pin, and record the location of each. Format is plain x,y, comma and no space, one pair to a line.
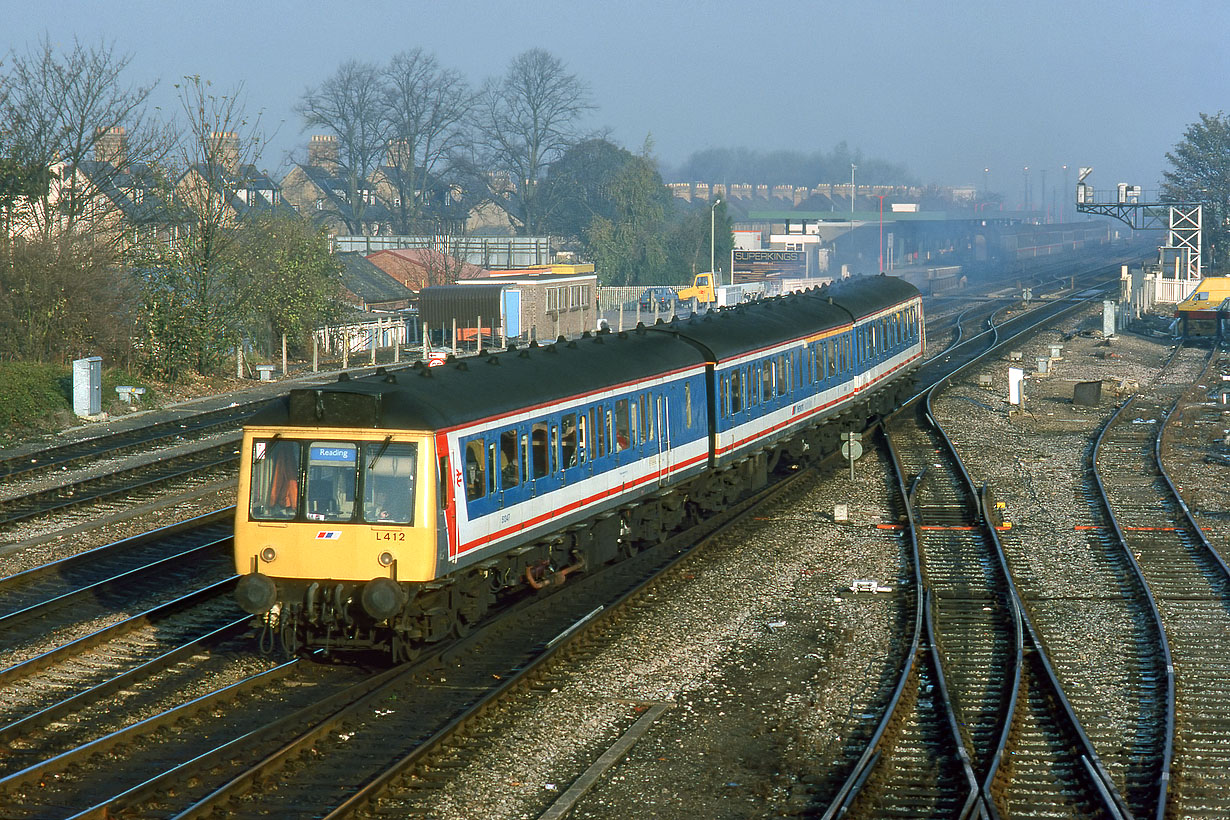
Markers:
400,619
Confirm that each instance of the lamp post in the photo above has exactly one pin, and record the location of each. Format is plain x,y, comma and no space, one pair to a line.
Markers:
712,242
1063,206
1025,206
853,168
881,196
986,181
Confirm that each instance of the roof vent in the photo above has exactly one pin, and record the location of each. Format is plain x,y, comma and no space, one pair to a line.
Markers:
512,346
623,334
380,371
534,343
586,335
572,345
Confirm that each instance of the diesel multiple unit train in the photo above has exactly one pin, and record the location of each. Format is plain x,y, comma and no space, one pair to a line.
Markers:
391,511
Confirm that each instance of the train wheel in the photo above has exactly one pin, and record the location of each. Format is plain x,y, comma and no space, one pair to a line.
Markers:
404,651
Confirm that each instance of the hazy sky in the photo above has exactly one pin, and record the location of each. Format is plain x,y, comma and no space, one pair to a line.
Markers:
945,88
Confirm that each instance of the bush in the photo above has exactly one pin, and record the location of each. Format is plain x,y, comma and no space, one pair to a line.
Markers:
35,398
38,398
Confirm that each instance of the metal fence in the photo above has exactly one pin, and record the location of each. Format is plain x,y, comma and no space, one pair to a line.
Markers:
499,252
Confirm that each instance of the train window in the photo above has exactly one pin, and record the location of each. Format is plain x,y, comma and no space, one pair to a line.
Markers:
523,464
331,476
598,426
648,414
753,387
476,469
388,482
636,437
830,348
554,448
569,448
687,404
783,374
510,476
583,442
723,396
444,484
493,460
736,391
623,431
538,435
766,378
275,480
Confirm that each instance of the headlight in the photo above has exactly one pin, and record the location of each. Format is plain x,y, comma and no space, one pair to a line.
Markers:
386,559
268,554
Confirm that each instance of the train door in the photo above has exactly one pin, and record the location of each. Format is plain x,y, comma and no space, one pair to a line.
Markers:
662,415
544,457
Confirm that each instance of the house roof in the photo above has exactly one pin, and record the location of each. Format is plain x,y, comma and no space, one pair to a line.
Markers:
256,185
334,188
417,268
133,189
368,282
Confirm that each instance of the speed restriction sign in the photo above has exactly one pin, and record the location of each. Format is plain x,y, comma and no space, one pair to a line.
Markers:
852,449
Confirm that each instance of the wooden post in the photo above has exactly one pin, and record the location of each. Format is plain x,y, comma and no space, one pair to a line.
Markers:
239,360
454,335
315,353
345,348
375,341
283,354
621,317
479,341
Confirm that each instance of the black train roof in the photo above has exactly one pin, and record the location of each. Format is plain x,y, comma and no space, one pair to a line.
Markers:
743,328
477,387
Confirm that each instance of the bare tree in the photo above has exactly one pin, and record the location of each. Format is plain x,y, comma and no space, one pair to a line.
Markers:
69,110
191,289
524,121
426,107
351,105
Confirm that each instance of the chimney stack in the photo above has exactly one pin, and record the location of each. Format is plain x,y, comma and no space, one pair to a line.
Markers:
226,146
322,151
111,145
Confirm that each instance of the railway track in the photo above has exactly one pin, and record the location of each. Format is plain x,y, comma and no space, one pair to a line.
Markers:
1189,583
309,747
137,439
979,724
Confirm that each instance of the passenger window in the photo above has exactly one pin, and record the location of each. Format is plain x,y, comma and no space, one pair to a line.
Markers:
609,429
331,476
554,448
649,416
583,443
623,431
736,391
538,434
275,480
493,475
767,379
476,470
635,438
524,465
510,475
783,378
568,441
687,404
388,483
